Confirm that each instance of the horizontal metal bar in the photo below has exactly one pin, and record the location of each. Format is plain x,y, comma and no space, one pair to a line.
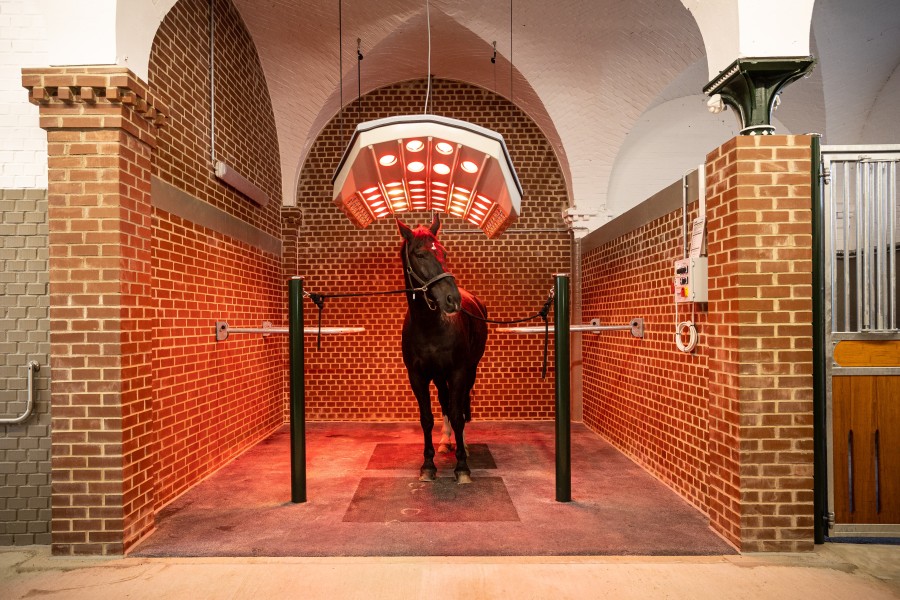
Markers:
223,330
512,230
636,327
306,330
853,151
838,370
838,336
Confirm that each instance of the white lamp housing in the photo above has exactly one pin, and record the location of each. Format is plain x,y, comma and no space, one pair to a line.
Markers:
428,163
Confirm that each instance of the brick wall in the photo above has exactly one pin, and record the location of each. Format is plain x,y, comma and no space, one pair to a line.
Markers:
244,126
729,427
644,395
24,337
362,376
760,342
212,400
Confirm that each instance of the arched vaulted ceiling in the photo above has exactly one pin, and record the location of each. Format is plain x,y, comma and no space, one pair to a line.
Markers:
610,82
584,71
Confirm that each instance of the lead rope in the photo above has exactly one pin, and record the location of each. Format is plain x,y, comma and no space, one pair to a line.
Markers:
319,301
541,313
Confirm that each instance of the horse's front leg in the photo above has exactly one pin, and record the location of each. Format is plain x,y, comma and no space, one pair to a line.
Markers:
458,422
419,384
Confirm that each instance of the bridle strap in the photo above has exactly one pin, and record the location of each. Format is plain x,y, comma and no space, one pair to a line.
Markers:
424,285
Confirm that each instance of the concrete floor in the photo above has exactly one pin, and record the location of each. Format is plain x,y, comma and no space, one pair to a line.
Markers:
833,571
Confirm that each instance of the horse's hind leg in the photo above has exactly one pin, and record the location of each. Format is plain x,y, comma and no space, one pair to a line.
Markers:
419,384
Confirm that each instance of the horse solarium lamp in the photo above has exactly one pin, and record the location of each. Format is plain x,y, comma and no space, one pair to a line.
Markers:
428,163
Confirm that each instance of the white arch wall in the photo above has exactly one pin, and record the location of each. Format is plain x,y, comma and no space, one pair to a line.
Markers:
882,125
567,54
667,141
23,145
859,53
38,33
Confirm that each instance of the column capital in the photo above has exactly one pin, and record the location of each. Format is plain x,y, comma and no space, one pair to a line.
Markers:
101,97
750,87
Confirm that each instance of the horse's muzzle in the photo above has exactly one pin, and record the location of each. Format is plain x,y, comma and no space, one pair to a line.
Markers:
453,304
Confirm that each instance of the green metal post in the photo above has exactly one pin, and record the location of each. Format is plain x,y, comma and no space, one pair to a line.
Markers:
820,432
563,425
297,391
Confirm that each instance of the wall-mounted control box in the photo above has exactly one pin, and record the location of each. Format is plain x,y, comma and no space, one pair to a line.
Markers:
691,279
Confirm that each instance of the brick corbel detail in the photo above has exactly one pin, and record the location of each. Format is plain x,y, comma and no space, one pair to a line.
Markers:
101,125
760,343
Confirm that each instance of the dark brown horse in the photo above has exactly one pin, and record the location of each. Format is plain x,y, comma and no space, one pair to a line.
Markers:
441,343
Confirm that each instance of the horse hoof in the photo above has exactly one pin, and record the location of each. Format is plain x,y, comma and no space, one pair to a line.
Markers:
427,475
444,448
463,477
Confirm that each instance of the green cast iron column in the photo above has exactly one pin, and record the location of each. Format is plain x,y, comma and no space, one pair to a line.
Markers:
297,391
563,425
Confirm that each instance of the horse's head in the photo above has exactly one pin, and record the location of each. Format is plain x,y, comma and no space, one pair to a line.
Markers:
424,260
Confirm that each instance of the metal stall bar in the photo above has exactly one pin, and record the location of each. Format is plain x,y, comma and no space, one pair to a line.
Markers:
561,327
561,330
297,391
223,330
846,244
860,249
892,224
636,327
297,388
33,368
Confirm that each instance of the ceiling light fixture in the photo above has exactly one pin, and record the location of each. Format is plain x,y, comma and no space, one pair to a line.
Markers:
428,158
428,155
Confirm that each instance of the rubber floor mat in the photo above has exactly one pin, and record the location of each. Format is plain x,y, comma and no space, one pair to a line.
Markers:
397,499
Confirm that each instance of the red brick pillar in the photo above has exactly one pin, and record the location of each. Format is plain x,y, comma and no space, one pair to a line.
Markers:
760,342
101,129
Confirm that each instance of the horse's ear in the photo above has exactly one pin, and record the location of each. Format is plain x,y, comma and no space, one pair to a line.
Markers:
405,231
435,224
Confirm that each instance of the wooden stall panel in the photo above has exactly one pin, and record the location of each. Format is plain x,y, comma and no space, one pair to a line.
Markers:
866,411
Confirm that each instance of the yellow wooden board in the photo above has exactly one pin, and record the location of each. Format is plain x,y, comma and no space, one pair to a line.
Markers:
868,353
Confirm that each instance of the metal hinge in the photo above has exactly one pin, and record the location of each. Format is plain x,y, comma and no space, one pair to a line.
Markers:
826,175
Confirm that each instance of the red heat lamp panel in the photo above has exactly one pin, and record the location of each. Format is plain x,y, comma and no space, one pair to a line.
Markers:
428,163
